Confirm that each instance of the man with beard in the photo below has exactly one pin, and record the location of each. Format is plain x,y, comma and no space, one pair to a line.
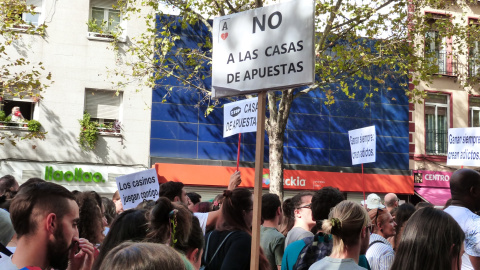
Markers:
44,216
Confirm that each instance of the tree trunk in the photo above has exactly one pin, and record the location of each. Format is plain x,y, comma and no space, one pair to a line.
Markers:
276,123
275,151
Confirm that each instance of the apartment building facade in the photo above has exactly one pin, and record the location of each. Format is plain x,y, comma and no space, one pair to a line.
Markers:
76,49
449,103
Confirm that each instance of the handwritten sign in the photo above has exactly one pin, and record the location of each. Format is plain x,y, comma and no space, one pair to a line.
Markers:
240,117
137,187
263,49
363,145
463,146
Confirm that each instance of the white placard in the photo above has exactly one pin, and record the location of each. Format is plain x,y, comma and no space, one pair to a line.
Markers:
136,187
363,145
463,146
264,48
240,117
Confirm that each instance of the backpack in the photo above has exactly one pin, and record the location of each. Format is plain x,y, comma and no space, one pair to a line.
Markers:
313,251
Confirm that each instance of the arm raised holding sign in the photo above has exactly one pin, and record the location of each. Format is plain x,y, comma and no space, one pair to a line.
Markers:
175,192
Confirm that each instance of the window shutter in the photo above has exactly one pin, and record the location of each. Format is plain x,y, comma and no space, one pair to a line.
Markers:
102,3
37,3
102,104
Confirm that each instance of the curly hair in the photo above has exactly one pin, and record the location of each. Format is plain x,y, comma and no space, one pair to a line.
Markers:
90,225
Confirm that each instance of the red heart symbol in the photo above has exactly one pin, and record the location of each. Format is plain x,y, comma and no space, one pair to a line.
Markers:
224,36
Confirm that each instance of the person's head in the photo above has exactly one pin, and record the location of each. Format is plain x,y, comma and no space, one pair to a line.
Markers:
142,256
194,197
271,207
348,222
323,201
110,211
421,205
288,219
130,225
465,188
194,249
302,212
202,207
45,211
166,216
217,202
92,222
8,184
384,224
147,205
391,200
174,191
402,214
237,210
432,239
118,202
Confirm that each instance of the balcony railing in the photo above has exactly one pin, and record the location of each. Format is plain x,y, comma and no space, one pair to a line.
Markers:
436,142
446,62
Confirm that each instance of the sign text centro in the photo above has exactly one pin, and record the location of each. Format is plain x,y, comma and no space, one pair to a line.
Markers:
240,117
264,48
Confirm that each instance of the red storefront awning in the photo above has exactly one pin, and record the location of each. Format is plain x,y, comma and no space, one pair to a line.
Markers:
207,175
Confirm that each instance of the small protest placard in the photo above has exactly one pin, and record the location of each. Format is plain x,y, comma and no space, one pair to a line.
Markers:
240,117
136,187
463,146
363,145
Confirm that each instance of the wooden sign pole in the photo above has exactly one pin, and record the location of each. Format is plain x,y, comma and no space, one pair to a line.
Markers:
257,192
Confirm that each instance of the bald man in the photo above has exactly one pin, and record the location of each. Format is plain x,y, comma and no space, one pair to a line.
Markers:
465,189
391,201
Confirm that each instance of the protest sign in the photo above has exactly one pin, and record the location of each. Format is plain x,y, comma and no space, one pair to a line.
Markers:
265,48
463,146
136,187
363,145
240,117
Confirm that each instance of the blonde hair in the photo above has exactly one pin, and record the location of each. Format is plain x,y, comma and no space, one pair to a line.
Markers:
345,222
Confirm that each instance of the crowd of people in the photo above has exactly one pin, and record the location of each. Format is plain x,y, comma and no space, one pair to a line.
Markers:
45,226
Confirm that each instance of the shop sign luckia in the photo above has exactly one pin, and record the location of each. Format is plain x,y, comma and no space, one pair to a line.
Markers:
78,175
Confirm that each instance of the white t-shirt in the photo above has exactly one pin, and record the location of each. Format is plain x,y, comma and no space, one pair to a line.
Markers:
202,218
6,263
470,224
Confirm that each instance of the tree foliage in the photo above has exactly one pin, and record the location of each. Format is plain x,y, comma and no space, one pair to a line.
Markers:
352,39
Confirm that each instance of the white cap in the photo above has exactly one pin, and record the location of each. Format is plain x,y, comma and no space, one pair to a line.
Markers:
373,201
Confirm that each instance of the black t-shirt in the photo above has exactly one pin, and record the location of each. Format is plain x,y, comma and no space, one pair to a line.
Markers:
234,254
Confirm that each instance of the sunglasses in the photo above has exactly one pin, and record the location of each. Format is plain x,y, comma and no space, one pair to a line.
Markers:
305,206
376,215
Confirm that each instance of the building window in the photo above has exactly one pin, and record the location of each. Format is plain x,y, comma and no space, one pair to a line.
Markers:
474,119
104,106
436,123
105,22
106,19
437,48
24,20
474,49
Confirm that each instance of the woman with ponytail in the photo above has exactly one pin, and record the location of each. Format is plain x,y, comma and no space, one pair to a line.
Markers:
350,226
229,245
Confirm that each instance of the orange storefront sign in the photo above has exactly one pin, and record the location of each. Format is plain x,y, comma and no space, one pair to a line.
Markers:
217,176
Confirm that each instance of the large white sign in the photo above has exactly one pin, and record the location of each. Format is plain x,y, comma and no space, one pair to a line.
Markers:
264,48
136,187
363,145
240,117
463,146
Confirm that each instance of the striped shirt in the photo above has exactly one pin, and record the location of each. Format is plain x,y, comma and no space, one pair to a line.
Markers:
380,254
